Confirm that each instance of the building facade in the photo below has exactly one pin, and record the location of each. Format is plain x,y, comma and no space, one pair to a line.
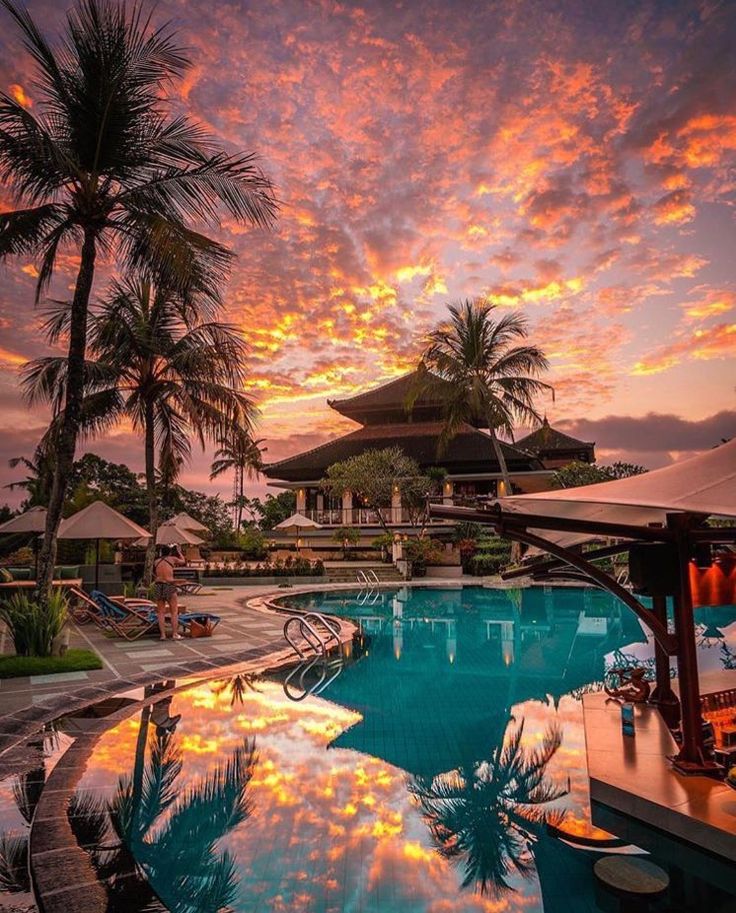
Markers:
384,420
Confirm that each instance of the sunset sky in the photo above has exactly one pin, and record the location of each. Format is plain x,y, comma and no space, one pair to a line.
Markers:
572,160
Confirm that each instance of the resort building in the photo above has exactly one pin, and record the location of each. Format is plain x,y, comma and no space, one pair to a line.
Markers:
384,420
556,449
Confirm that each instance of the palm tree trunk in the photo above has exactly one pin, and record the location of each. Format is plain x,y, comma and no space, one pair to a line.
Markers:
241,482
65,442
498,453
150,451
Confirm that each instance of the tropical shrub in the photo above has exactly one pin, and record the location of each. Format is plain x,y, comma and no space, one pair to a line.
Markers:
290,567
384,544
252,543
21,557
492,556
32,627
422,552
348,537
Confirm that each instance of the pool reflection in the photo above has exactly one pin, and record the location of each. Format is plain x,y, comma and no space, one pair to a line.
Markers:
422,778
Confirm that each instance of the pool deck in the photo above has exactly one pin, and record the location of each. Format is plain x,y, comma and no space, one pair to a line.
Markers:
633,777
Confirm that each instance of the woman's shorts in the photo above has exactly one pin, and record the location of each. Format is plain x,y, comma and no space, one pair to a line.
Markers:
163,590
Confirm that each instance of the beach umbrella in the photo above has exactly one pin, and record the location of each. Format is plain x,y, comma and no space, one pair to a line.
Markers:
185,521
297,522
170,533
31,521
100,521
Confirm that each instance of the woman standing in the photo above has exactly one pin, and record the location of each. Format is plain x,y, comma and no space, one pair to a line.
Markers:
164,588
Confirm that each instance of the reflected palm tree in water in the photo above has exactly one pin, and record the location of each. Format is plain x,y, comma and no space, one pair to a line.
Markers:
155,843
27,789
238,686
486,816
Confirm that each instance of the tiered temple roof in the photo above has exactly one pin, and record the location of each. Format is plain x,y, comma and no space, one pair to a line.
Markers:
548,442
388,422
470,451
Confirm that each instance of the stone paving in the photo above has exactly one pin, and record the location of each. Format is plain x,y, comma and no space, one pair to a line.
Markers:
242,628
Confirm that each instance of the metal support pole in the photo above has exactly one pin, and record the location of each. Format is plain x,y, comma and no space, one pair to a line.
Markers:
663,695
691,758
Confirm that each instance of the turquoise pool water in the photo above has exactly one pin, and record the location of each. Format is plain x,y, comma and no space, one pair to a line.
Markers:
428,774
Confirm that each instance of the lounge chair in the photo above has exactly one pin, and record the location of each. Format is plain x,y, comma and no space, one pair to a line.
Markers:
143,612
112,617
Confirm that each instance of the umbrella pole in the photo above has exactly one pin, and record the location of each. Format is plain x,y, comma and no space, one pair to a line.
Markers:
97,564
35,554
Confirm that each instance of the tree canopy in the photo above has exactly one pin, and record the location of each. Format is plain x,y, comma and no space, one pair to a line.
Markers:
577,473
375,476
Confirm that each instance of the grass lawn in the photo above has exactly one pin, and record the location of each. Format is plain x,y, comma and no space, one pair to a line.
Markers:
71,661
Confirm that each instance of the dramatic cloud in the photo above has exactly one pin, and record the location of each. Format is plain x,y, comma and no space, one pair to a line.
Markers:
654,432
576,165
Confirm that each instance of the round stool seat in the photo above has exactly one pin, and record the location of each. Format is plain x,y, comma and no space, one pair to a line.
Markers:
632,875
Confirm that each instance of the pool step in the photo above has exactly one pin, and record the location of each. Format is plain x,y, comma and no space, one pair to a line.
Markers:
386,573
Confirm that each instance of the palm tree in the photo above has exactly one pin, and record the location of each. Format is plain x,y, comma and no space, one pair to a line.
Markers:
101,167
471,364
487,815
37,483
161,361
156,845
241,454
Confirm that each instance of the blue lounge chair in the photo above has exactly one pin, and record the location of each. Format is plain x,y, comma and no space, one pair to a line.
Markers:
134,619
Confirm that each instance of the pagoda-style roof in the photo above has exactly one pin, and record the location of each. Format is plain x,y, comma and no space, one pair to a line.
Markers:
388,403
547,439
470,451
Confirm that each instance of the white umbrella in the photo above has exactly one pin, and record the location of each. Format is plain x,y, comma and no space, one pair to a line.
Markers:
100,521
171,533
185,521
297,522
31,521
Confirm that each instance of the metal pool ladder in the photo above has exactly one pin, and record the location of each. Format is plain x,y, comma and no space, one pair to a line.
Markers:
368,578
327,671
316,631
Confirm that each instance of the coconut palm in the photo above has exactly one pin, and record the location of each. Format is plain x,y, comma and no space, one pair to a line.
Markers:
37,482
487,815
173,835
161,361
155,845
239,686
239,453
471,364
101,168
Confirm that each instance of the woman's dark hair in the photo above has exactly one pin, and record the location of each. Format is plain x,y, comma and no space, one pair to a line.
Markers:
165,550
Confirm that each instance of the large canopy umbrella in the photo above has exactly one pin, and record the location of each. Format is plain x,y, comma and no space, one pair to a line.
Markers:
297,522
170,533
31,521
186,521
100,521
665,506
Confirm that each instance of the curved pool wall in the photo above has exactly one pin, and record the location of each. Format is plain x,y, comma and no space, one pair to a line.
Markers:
395,788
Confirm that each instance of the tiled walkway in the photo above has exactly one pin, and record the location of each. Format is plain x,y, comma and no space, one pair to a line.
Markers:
242,629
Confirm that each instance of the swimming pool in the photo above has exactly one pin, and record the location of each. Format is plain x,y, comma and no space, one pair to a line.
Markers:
436,769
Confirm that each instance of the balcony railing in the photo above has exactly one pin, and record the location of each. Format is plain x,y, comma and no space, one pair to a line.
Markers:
359,516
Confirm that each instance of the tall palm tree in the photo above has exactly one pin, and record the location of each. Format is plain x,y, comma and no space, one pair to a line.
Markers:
472,365
241,454
156,846
37,482
487,815
100,167
163,362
